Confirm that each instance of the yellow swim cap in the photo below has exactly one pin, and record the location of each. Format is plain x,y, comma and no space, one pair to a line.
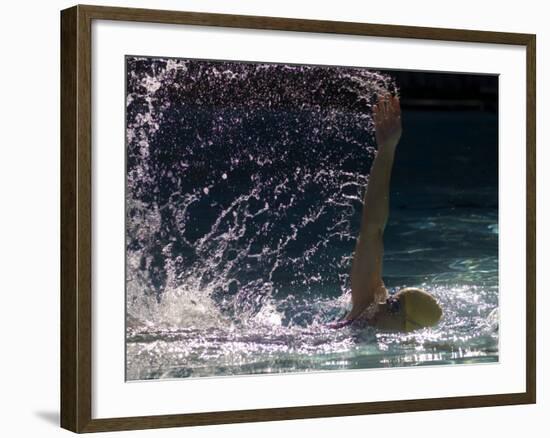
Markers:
420,308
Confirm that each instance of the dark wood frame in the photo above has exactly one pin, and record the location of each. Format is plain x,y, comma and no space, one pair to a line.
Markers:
76,225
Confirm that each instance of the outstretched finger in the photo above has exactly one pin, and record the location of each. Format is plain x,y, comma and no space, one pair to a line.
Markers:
380,118
386,99
381,108
396,106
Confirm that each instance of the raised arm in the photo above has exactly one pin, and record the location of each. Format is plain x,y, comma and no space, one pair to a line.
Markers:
366,272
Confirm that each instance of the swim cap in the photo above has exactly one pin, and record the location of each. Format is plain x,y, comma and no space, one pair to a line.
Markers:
420,308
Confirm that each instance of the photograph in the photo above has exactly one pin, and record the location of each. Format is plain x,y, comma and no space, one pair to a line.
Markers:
266,220
299,218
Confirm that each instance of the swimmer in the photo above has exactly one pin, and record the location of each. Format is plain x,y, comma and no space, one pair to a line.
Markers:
410,308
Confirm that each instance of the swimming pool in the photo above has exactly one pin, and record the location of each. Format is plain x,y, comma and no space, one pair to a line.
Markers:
241,226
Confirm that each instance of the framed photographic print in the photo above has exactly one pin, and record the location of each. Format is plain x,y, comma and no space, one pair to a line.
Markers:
269,218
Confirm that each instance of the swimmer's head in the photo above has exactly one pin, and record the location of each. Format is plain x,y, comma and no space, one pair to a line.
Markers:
409,309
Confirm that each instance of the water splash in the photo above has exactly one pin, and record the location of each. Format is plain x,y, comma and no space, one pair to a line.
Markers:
242,181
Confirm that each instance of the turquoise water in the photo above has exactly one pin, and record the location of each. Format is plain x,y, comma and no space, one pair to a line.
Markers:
274,342
244,187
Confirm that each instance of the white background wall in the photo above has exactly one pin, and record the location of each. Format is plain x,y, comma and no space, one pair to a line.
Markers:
29,214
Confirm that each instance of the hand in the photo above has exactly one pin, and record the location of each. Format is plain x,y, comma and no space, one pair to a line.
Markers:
387,121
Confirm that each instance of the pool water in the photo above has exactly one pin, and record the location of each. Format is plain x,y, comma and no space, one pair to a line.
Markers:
242,218
455,262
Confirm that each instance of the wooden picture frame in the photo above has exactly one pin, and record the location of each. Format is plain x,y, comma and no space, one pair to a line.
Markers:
76,218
